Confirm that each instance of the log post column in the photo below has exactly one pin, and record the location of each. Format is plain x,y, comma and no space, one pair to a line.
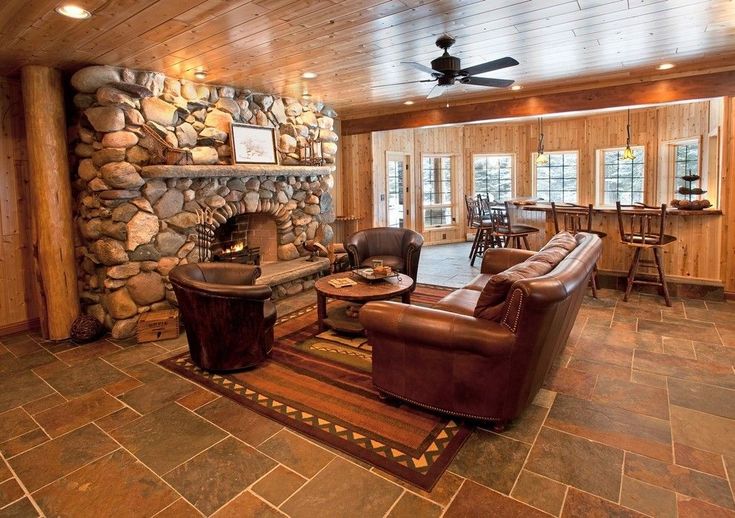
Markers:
51,199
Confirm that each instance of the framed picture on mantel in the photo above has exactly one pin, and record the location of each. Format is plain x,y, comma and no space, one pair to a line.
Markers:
253,144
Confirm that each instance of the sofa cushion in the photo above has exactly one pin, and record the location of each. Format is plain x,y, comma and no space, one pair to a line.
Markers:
564,240
459,301
479,282
496,290
556,249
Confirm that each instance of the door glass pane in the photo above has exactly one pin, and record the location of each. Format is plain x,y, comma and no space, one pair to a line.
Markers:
395,193
436,184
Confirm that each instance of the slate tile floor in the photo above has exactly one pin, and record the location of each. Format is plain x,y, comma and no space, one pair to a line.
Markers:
637,416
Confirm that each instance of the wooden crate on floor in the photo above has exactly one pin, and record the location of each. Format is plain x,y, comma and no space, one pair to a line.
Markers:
158,325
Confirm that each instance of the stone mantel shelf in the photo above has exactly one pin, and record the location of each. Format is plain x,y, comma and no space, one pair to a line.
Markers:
229,171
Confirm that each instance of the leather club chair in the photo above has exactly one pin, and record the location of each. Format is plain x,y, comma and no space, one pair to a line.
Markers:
490,367
399,248
228,320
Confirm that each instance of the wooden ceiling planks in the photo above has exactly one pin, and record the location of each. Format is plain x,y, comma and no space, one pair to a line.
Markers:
358,45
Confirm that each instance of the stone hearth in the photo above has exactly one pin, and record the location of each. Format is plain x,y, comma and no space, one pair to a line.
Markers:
137,217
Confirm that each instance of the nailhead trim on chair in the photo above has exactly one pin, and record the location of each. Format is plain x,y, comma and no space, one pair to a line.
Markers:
443,410
514,326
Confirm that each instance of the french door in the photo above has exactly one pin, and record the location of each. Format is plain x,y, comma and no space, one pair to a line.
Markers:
397,190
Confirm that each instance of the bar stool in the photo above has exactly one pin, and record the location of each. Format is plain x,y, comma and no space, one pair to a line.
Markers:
505,230
485,204
483,228
577,218
645,232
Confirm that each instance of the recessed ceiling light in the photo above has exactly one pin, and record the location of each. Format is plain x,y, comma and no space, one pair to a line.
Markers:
73,11
516,87
409,103
306,95
200,74
665,66
309,75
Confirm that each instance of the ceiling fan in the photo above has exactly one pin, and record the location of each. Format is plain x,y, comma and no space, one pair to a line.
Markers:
447,72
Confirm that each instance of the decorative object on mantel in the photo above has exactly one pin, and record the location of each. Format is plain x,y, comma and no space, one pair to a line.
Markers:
310,149
253,144
689,192
86,328
161,150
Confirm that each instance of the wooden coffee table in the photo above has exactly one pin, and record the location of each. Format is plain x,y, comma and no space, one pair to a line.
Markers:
363,291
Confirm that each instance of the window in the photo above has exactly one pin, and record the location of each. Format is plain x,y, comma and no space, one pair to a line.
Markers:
686,162
557,180
622,179
494,176
436,180
395,194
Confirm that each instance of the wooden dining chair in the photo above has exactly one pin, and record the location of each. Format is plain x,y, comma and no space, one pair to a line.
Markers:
482,226
642,228
510,234
575,218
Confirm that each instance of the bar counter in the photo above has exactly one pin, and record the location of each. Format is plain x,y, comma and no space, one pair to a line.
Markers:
694,258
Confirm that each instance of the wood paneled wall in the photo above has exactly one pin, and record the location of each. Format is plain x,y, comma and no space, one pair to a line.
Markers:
696,255
18,304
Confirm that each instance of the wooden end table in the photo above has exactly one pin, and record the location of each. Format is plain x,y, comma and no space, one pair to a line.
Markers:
363,291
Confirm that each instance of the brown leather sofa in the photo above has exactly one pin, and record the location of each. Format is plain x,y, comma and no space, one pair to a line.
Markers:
447,359
228,320
399,248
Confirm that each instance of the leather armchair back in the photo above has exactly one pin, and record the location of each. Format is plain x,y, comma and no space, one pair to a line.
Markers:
386,241
228,320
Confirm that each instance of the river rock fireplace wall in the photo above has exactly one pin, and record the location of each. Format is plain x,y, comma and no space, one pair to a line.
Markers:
137,218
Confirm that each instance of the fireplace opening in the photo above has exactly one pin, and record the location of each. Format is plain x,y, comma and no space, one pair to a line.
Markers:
246,238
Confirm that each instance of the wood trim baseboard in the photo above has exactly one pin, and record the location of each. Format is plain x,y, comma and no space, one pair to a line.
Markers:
18,327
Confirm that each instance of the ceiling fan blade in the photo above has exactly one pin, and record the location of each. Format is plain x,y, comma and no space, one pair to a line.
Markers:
407,83
422,68
436,91
489,66
487,81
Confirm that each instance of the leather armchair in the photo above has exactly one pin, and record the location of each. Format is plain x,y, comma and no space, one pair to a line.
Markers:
228,320
399,248
446,359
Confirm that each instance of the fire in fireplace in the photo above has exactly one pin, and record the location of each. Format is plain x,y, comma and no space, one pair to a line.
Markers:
236,252
217,244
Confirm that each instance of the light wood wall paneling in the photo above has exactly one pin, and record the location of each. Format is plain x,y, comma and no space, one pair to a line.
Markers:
51,198
357,178
18,304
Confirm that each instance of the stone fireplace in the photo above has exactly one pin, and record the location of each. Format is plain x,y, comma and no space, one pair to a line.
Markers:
137,217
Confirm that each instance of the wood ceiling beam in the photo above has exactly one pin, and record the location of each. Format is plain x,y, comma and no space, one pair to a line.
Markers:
647,92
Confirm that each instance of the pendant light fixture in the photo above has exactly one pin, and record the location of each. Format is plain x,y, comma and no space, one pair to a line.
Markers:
628,153
541,157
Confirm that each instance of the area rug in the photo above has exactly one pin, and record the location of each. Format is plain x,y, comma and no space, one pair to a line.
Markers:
320,384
